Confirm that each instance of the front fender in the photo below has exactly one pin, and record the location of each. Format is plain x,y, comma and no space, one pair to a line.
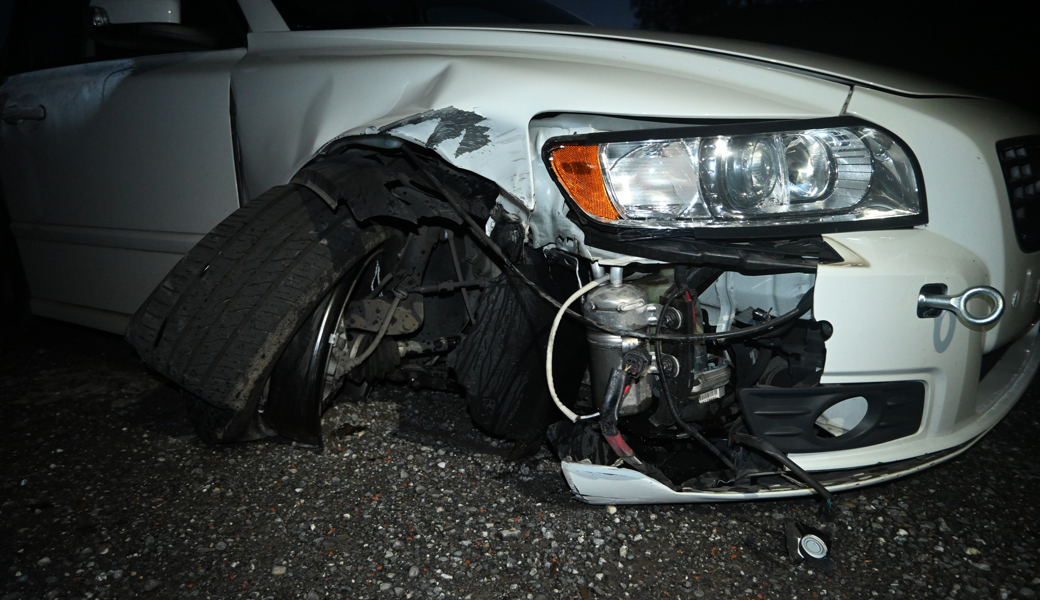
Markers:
470,95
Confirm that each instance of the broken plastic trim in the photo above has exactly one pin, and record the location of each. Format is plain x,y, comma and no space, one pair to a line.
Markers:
599,484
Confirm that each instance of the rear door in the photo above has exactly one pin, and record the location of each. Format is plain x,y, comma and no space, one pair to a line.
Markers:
114,161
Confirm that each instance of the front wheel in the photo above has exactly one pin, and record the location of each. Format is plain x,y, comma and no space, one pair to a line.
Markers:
221,319
312,371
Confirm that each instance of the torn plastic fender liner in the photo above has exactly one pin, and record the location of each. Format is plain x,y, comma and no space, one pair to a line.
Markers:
365,181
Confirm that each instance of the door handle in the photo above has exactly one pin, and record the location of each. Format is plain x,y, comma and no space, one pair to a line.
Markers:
16,114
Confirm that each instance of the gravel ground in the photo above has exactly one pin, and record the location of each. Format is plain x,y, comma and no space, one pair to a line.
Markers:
105,492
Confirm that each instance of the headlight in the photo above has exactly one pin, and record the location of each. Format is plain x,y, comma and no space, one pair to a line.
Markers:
822,175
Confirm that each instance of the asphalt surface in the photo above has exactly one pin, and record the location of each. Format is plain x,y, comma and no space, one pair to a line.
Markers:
106,493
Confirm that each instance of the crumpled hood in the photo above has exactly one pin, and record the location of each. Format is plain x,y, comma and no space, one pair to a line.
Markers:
822,65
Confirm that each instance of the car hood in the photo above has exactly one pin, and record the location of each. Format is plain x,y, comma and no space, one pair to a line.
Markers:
821,65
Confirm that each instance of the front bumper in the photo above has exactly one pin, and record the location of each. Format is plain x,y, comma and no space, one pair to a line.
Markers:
995,395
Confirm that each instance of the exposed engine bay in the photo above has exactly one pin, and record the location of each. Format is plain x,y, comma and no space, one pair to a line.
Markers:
668,398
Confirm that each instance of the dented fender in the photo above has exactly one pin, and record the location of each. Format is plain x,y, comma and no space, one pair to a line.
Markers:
470,95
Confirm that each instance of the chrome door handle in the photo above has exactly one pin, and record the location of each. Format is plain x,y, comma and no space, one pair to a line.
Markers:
16,114
930,304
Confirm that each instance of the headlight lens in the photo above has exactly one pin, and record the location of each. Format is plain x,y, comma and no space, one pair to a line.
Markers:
804,176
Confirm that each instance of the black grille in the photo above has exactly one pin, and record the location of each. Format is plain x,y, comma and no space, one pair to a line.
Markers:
1020,161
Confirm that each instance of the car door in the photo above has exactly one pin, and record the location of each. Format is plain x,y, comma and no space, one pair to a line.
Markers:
115,160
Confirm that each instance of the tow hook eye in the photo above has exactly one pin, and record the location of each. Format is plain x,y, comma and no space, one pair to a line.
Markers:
933,300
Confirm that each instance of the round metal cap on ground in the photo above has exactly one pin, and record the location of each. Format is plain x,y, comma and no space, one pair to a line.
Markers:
813,546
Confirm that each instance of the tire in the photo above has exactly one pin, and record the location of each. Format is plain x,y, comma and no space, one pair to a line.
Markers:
220,320
305,380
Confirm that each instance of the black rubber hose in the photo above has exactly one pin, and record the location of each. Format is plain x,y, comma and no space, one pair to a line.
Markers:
770,450
612,402
670,403
452,198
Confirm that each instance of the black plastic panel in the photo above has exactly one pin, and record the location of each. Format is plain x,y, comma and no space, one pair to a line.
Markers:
1020,162
785,417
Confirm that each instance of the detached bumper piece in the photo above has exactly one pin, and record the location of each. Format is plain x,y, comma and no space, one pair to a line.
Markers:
597,484
786,417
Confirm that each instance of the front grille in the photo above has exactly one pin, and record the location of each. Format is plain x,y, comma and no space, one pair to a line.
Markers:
1020,161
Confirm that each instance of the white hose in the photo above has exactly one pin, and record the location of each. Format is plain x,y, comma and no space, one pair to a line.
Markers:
570,414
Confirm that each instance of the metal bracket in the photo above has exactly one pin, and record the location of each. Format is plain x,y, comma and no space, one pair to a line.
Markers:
932,300
368,315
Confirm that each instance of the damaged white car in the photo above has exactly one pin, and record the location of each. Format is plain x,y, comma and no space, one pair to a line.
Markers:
706,270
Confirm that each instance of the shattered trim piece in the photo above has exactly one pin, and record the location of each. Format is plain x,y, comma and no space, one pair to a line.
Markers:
597,484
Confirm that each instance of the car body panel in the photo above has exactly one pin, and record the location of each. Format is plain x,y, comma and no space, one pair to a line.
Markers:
132,162
317,75
955,142
830,67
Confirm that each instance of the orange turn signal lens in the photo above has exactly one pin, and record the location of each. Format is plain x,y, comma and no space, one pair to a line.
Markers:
577,168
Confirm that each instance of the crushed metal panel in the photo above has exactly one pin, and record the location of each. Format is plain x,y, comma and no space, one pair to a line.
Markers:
445,125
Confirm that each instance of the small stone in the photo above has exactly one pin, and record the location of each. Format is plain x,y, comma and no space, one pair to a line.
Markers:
43,562
442,464
278,570
312,595
1026,593
413,572
623,551
221,546
509,534
151,584
971,551
383,587
611,509
698,592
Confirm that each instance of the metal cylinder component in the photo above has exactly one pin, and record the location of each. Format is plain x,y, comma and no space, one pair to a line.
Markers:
605,353
622,307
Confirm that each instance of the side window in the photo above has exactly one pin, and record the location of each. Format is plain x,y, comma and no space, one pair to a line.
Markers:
55,33
45,34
